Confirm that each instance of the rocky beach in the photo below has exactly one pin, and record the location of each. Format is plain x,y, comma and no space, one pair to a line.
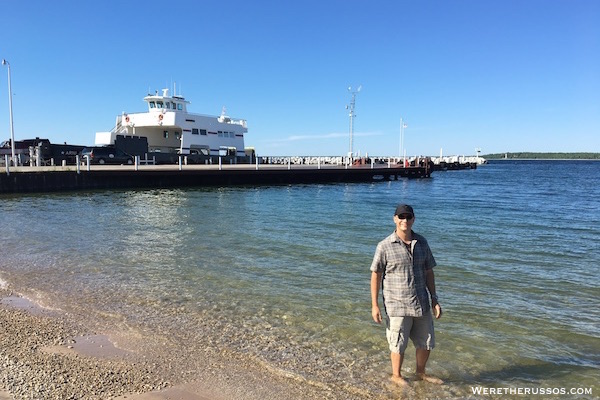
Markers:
44,354
40,359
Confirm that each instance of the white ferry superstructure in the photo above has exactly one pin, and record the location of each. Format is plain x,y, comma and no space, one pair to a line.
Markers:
171,129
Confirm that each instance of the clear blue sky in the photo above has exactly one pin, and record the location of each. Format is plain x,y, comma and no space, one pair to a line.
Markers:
506,75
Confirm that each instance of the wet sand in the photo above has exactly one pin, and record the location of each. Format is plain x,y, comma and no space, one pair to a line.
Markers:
43,354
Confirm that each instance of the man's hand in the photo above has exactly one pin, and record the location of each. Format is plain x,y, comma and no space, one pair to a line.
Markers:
376,313
437,311
375,285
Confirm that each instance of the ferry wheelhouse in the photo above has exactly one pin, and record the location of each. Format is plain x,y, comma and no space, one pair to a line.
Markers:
169,128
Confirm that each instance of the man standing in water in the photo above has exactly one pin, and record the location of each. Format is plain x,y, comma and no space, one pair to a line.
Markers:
403,268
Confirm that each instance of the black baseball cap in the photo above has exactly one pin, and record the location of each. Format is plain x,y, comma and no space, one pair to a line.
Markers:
404,209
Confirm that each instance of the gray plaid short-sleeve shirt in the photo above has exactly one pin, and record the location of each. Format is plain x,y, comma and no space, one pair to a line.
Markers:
403,285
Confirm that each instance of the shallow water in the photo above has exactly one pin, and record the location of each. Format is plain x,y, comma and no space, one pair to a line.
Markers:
281,273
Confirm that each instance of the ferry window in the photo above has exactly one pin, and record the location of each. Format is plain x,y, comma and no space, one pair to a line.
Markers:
152,104
194,131
166,134
173,105
159,104
179,106
203,132
168,105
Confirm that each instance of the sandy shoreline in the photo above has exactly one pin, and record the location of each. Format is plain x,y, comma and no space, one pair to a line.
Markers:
43,354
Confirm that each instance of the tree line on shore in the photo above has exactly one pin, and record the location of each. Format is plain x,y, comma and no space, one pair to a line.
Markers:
542,156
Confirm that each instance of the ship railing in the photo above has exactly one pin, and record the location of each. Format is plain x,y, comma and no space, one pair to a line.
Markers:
117,128
230,120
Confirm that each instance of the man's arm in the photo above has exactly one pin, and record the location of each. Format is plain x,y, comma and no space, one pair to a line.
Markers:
430,282
375,285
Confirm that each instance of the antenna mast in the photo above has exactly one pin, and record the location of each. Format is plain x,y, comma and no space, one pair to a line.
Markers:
352,115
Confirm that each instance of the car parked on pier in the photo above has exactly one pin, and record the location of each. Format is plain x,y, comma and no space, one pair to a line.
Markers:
106,155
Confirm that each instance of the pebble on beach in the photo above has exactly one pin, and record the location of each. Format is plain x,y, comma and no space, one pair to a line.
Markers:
40,358
29,372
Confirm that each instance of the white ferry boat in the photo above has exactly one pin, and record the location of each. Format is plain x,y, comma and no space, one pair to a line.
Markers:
169,128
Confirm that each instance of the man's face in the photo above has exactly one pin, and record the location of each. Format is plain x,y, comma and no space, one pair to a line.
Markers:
404,222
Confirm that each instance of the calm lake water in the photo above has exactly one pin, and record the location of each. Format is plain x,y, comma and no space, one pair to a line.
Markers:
281,273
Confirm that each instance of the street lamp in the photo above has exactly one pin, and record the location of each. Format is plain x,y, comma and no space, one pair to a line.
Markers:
12,129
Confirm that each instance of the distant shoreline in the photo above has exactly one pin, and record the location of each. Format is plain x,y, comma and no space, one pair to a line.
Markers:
542,156
541,159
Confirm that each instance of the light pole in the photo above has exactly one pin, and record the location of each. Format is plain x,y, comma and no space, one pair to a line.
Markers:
401,139
12,129
402,150
352,115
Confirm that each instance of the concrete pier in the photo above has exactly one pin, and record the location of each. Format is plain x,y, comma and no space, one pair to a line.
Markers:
51,179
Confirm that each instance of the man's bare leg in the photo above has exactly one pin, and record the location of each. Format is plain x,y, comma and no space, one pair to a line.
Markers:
397,378
422,357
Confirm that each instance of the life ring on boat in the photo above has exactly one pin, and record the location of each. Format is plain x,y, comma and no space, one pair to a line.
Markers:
160,117
127,118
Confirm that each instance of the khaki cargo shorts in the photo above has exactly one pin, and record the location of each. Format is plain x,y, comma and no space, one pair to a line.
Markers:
418,329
